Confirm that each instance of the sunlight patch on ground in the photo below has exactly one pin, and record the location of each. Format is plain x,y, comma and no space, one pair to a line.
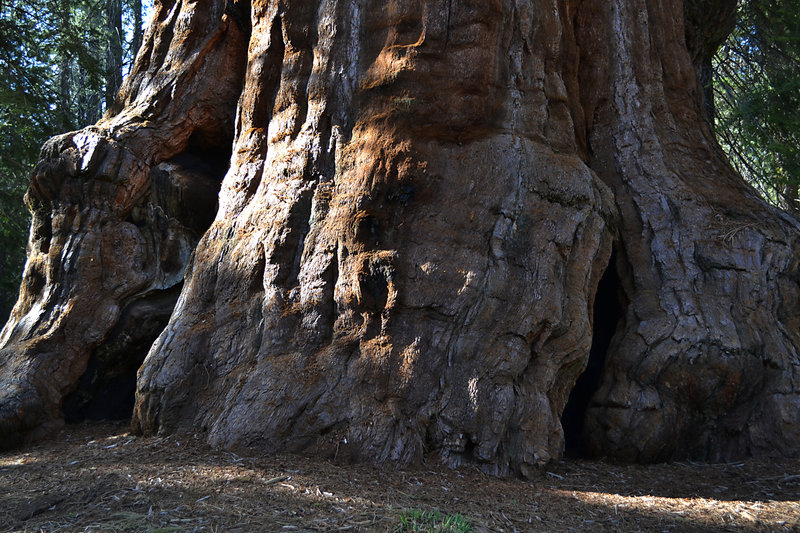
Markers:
695,510
100,477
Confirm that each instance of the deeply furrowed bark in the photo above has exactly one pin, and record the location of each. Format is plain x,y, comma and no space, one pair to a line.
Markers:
705,363
421,200
118,208
376,235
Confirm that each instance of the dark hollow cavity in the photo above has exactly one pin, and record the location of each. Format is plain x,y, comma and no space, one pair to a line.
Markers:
184,192
607,313
106,389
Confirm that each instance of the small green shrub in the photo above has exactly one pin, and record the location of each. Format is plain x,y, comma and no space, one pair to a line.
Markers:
418,520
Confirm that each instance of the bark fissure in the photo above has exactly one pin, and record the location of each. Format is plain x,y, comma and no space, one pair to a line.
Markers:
115,198
684,302
415,216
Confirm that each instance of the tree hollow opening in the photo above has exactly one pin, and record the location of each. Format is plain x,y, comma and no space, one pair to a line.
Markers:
181,206
608,311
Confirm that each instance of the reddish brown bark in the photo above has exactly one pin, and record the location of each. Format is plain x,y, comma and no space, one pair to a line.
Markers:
118,209
421,200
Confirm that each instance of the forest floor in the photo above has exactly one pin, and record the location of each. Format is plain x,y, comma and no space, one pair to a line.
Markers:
99,477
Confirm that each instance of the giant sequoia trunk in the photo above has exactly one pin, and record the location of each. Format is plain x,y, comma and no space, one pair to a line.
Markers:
421,198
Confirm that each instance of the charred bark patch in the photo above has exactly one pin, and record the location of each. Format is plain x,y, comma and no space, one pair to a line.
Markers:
263,77
368,229
287,252
42,231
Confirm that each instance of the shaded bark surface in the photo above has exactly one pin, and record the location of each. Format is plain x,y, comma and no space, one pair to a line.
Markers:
118,209
705,364
406,247
419,204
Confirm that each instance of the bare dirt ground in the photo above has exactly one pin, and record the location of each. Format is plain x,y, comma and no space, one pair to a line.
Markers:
99,477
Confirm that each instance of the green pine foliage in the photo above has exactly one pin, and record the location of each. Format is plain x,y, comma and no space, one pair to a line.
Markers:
757,98
54,73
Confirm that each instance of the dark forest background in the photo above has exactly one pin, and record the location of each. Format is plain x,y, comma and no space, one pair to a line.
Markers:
61,65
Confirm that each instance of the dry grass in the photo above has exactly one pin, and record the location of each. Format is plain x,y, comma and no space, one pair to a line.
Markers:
97,477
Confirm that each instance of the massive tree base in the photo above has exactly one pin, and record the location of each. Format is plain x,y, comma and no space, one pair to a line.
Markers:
420,202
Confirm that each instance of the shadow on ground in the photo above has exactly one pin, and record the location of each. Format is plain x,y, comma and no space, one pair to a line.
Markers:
97,477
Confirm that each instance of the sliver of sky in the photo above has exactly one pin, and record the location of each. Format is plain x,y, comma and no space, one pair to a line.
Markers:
147,14
148,11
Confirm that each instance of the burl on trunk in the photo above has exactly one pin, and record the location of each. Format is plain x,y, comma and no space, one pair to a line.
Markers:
419,201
